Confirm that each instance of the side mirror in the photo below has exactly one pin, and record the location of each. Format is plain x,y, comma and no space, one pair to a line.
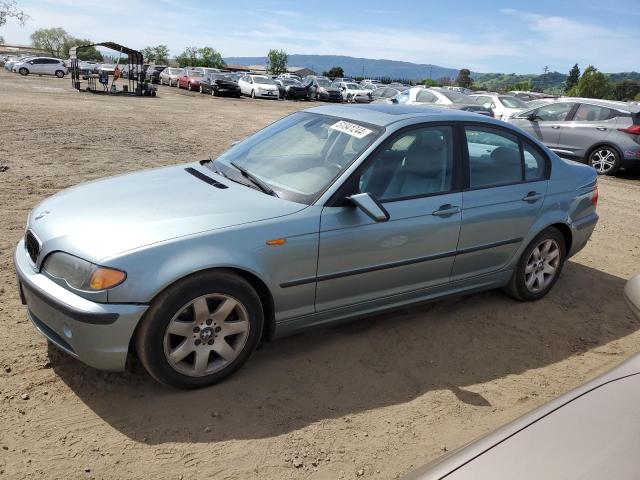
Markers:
394,100
370,206
532,117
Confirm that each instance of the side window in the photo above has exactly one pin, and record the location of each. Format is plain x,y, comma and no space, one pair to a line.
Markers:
591,113
417,162
494,157
403,97
424,96
534,163
554,112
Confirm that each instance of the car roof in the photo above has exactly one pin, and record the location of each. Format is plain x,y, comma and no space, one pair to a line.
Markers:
383,114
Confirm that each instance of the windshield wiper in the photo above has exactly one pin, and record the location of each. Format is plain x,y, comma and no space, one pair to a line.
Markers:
212,166
255,180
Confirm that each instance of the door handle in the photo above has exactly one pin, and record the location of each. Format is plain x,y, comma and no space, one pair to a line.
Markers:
446,210
532,197
555,126
602,129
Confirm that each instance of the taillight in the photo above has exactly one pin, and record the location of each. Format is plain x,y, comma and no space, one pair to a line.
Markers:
594,196
633,130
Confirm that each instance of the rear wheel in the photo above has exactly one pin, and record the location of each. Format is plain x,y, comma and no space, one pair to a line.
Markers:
605,160
200,330
539,266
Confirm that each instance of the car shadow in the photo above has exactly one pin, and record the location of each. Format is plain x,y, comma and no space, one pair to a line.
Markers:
379,361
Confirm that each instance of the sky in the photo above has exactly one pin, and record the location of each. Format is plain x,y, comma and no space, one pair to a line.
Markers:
489,36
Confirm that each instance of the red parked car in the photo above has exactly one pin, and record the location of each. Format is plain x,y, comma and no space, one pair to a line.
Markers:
190,79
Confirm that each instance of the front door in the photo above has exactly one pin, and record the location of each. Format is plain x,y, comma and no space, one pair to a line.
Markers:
548,122
506,189
414,176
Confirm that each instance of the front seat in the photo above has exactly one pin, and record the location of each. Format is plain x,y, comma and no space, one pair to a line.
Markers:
424,169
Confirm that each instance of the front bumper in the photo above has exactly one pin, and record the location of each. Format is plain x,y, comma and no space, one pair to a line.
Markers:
268,94
330,96
97,334
632,295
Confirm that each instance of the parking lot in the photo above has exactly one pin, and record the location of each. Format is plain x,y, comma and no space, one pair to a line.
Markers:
368,399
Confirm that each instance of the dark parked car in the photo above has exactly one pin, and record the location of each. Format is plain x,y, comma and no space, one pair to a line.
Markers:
153,73
190,79
292,89
321,89
219,84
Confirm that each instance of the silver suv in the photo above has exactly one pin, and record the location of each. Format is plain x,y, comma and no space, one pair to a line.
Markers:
604,134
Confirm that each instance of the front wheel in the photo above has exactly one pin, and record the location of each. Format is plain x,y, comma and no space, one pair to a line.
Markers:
200,89
59,74
605,160
253,94
200,330
539,266
23,71
189,86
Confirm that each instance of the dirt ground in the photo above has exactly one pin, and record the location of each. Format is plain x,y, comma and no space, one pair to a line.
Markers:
370,399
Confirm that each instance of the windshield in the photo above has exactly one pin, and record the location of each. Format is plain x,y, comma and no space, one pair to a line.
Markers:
513,102
219,76
289,81
323,83
353,86
456,97
264,80
300,155
194,73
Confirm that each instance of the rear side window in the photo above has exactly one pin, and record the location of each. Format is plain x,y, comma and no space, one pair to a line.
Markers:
534,163
591,113
494,157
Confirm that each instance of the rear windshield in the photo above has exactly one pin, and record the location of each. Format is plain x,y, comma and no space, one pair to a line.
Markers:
513,102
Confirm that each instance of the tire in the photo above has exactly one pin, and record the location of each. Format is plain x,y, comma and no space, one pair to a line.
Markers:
59,74
155,345
200,89
213,92
253,94
529,281
605,159
23,71
189,86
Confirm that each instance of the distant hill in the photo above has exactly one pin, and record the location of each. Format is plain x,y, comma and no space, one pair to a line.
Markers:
353,66
552,82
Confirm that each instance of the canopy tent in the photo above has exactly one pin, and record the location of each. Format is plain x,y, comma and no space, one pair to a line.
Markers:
133,69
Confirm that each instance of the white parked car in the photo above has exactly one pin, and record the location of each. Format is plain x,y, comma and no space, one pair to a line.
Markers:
258,86
352,92
41,66
503,106
169,76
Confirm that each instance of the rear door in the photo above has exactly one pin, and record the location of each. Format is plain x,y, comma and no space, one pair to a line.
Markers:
590,124
505,188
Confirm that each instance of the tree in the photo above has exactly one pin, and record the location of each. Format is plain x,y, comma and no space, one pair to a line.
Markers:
50,39
9,9
157,54
91,53
188,58
334,72
277,62
429,82
626,90
148,54
464,78
572,78
444,81
208,57
593,84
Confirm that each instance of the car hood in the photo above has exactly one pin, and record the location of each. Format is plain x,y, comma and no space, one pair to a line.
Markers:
104,218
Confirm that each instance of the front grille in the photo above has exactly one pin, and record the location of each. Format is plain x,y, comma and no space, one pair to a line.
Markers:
32,245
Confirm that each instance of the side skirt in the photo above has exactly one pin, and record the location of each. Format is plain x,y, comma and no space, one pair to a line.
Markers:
364,309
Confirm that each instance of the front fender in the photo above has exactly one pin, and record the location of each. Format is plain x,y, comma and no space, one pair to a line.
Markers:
152,269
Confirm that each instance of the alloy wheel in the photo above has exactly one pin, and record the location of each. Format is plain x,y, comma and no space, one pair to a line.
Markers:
603,160
206,335
542,266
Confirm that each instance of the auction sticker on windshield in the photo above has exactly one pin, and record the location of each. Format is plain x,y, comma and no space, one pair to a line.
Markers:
351,129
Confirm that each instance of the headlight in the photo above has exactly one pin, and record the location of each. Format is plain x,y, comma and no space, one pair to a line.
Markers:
81,274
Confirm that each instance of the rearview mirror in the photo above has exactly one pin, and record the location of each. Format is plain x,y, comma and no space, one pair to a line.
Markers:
370,206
